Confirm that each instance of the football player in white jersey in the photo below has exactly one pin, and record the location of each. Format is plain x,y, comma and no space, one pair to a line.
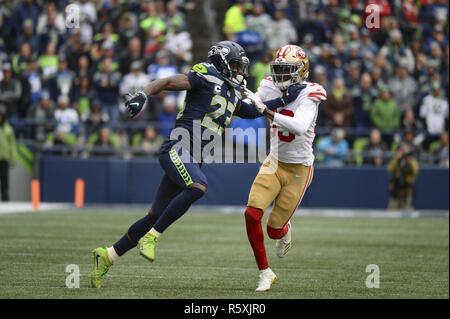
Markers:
287,171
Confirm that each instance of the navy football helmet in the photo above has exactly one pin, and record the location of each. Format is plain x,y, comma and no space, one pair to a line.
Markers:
230,60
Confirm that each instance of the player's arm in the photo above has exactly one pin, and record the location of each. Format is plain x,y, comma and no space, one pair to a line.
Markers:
178,82
299,123
247,110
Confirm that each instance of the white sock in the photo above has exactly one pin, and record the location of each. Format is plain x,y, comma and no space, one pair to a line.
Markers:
112,254
267,270
154,232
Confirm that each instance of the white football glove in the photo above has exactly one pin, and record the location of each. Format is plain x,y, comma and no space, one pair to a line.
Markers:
257,102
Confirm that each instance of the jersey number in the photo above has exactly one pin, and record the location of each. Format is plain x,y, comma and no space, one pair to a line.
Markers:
210,119
281,135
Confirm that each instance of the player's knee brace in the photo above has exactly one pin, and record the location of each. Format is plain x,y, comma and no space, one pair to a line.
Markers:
252,213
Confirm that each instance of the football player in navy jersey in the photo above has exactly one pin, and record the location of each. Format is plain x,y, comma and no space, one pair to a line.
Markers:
214,94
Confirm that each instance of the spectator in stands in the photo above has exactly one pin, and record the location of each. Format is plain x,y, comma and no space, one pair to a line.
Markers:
28,36
52,32
132,54
149,142
174,18
353,78
128,29
259,21
10,92
321,77
166,118
373,151
162,68
43,111
152,20
83,67
409,137
107,52
235,20
74,50
282,31
95,118
104,143
384,112
338,109
83,95
66,116
404,88
20,60
179,44
409,122
66,128
26,9
106,83
88,19
261,70
34,81
45,18
335,148
7,152
63,81
48,62
366,42
441,156
403,169
434,110
429,77
362,101
395,50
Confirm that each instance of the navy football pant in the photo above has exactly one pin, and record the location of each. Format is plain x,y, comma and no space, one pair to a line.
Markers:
172,200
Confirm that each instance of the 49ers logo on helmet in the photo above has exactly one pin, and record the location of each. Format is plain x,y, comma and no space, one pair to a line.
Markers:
301,54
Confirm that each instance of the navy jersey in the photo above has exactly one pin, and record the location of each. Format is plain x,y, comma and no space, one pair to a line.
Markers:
209,105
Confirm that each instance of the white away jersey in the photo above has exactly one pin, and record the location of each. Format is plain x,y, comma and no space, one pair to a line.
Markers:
293,128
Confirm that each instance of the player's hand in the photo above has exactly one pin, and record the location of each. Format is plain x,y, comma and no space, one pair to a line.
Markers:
292,93
136,103
257,102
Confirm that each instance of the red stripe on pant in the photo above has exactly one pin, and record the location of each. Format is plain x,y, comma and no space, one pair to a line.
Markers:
255,235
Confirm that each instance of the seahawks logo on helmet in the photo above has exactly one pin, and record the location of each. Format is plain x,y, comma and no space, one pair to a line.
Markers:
223,50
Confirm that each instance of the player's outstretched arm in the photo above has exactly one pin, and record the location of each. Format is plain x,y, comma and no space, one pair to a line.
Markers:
178,82
136,103
247,110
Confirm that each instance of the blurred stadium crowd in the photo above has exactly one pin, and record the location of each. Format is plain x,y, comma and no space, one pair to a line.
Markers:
62,88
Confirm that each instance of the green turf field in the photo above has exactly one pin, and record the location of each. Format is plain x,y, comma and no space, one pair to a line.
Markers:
208,256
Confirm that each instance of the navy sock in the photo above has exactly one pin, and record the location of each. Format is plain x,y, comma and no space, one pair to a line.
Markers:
177,207
135,232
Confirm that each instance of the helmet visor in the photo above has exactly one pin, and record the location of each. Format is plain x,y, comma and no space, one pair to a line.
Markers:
239,66
283,74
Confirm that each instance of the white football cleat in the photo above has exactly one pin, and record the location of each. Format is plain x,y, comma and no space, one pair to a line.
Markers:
284,243
266,279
